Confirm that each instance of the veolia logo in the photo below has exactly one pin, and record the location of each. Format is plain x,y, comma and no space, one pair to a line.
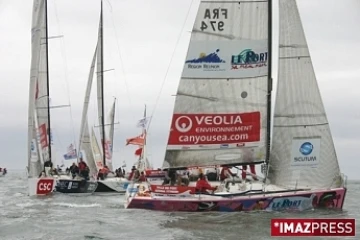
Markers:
183,124
306,148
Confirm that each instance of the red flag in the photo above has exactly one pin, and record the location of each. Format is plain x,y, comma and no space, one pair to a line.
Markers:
139,140
138,152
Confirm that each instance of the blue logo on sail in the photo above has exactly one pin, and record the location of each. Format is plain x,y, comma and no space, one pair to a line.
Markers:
306,148
210,58
206,62
249,59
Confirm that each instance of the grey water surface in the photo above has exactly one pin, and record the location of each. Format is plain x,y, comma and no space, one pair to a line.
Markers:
62,217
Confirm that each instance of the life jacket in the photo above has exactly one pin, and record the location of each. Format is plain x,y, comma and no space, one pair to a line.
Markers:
202,185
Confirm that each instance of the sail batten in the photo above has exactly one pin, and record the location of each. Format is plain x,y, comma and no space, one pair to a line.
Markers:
220,108
303,152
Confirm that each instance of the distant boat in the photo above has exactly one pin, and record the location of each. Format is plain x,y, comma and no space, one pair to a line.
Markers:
3,172
226,106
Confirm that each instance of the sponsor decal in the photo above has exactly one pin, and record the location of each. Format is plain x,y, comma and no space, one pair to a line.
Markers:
225,59
222,129
44,186
305,152
43,136
249,58
171,189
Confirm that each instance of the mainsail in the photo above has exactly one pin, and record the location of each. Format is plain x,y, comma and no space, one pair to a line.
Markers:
100,83
96,151
220,112
38,92
85,143
303,152
110,137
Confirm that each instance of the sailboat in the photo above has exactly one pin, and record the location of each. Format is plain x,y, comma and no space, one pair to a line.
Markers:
40,159
97,157
222,117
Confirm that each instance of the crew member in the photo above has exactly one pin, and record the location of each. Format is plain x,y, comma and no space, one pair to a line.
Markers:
202,185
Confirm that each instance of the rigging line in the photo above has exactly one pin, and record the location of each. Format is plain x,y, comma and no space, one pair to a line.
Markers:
63,53
121,62
171,59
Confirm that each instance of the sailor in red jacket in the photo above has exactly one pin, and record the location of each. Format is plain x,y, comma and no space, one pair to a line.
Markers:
202,185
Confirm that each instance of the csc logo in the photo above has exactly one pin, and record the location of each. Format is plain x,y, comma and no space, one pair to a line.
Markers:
44,186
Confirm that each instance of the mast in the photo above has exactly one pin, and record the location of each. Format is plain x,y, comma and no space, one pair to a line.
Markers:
102,83
144,132
269,90
47,80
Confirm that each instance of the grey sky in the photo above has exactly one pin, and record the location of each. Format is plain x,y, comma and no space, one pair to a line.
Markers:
140,38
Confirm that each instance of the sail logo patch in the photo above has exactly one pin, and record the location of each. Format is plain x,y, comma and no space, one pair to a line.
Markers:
248,58
305,152
206,62
219,59
221,128
306,148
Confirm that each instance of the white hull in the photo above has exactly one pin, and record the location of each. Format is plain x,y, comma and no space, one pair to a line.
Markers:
41,186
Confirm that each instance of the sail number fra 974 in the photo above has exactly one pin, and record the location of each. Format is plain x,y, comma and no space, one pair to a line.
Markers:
214,15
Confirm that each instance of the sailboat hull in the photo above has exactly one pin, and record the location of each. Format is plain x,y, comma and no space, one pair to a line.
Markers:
269,201
41,186
75,186
112,185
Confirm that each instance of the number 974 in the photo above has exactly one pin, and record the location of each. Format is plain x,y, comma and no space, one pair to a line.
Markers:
212,25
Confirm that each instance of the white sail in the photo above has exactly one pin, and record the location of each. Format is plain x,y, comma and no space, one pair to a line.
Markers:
38,92
96,151
303,152
220,108
85,143
100,80
109,128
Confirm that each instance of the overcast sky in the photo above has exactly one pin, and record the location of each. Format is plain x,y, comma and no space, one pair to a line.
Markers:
145,39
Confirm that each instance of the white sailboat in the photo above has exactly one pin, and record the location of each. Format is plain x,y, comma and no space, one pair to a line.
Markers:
222,116
39,107
97,157
41,156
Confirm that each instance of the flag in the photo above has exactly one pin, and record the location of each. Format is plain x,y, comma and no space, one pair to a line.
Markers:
139,140
142,122
71,153
138,152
